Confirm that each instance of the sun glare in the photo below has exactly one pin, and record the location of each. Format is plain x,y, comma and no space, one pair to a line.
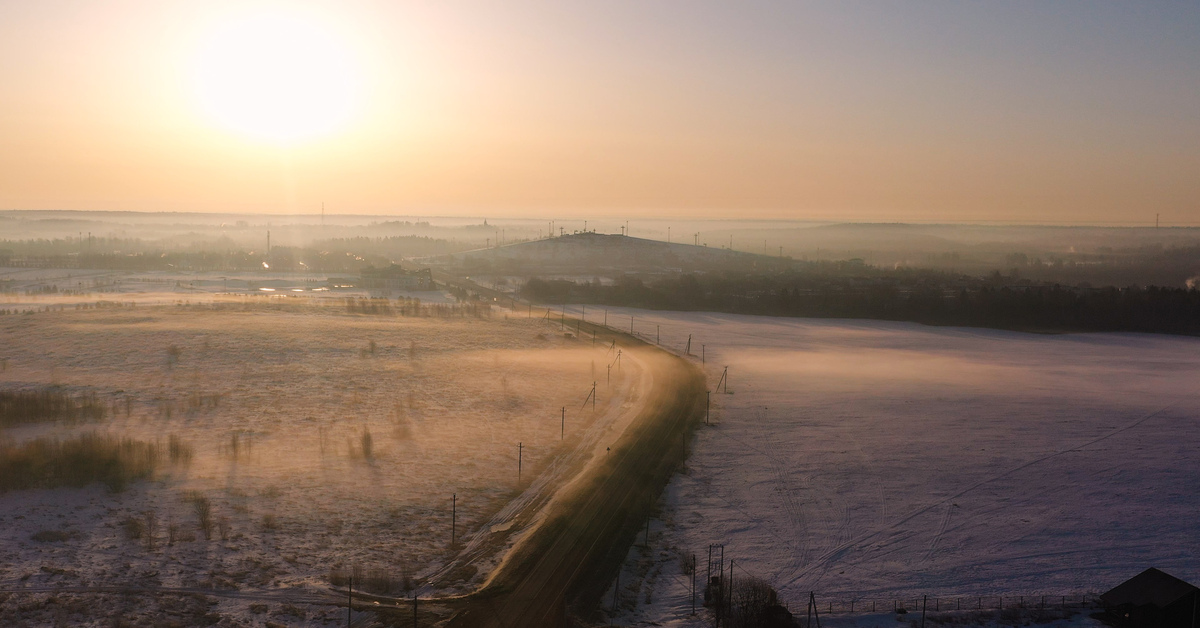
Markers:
277,77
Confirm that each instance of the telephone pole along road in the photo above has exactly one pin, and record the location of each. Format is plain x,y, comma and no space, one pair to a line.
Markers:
564,566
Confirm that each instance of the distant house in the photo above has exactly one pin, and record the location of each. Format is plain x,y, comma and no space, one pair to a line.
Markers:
1153,599
396,278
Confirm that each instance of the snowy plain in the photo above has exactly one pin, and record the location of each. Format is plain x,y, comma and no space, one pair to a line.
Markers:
275,403
877,462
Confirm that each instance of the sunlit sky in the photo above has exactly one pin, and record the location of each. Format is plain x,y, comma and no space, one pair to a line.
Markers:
951,111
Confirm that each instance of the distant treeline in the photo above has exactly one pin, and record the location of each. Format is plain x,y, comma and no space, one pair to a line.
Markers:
337,255
379,306
919,296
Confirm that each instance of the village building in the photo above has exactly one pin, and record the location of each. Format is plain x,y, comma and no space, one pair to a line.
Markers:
1153,599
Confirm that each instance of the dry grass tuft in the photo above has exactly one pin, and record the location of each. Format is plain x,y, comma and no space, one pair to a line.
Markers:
50,536
203,509
173,355
367,447
76,461
48,404
135,528
178,451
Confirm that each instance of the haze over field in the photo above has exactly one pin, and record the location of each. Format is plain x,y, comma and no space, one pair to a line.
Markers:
538,314
881,461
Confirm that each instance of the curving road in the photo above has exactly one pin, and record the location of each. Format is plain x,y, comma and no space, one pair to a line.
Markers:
559,573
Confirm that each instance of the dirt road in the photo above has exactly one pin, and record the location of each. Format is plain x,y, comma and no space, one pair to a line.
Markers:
557,576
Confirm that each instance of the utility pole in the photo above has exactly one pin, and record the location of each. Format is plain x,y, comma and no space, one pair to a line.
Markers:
702,354
563,426
631,324
453,517
520,452
708,567
730,607
658,334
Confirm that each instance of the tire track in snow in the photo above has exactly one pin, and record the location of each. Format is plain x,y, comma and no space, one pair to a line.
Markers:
794,508
941,531
834,555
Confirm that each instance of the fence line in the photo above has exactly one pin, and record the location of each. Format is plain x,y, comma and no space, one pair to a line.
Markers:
934,604
707,594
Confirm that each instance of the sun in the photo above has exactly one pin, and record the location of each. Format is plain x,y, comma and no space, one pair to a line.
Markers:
276,77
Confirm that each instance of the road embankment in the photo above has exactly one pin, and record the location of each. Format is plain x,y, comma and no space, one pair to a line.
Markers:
557,575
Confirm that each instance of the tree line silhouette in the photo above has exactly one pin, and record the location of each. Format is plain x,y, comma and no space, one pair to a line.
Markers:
919,296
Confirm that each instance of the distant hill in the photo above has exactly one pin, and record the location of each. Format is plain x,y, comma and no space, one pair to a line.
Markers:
589,253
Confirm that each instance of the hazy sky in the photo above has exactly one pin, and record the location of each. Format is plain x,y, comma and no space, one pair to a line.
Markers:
1030,111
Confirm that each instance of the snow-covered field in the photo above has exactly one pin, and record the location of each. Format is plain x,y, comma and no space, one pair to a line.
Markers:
877,461
275,403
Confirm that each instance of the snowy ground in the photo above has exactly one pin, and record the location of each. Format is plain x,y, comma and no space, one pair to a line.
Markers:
447,402
875,462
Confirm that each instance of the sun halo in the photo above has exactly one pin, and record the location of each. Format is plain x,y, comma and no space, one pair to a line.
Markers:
276,77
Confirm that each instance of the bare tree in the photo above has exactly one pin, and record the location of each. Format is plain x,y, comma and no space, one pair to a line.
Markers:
367,444
204,514
151,529
173,353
